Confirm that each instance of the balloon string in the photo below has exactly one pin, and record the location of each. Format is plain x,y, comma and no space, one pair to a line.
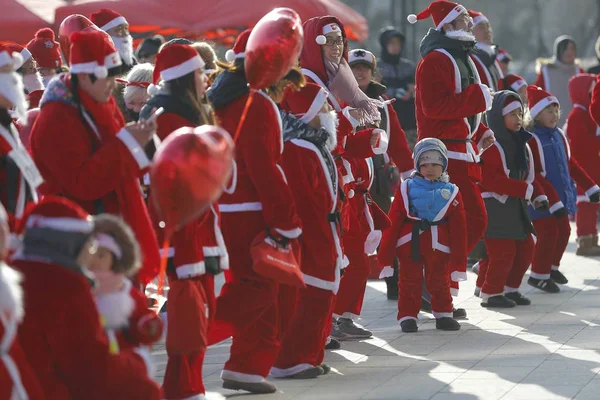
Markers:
163,264
243,118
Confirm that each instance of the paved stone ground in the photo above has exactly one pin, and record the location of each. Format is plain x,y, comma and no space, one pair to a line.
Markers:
549,350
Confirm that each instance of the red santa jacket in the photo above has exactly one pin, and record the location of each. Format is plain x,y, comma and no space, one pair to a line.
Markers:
315,189
200,238
449,237
484,72
443,109
398,149
65,343
261,182
17,379
595,103
581,130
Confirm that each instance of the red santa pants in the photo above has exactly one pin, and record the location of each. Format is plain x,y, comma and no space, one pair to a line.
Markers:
303,345
483,267
353,282
552,239
437,283
508,261
587,219
248,303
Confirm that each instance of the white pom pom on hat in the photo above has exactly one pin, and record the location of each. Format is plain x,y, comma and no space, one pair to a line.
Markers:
230,55
321,40
101,72
153,89
412,18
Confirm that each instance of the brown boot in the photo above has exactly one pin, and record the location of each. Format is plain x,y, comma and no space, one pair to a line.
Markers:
587,246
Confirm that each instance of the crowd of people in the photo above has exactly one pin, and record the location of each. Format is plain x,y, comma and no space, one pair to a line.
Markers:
356,165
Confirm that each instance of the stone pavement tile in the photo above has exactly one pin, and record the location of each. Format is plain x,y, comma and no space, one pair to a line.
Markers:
545,376
511,374
451,351
590,392
358,374
334,390
520,346
412,386
569,364
488,389
414,349
453,396
511,360
535,392
440,367
385,362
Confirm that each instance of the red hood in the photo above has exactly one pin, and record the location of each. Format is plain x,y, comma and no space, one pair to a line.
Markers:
312,56
579,89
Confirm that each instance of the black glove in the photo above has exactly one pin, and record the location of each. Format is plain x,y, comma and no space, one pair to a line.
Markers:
543,206
595,198
213,265
561,212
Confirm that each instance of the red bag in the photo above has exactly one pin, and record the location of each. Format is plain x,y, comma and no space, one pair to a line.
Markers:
275,261
188,317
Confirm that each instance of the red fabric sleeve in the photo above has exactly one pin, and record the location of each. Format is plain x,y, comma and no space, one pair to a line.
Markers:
359,145
538,190
595,105
495,179
458,234
398,147
581,178
480,70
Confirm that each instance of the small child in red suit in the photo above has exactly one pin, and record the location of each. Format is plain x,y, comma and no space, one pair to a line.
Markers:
128,323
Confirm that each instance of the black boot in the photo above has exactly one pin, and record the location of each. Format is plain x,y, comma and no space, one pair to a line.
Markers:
447,324
518,298
499,301
409,326
392,284
332,344
558,277
547,285
459,313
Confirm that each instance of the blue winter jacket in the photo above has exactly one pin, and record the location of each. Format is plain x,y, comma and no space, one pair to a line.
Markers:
427,198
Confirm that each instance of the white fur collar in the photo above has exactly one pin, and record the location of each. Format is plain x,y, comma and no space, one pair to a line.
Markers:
116,307
461,35
11,293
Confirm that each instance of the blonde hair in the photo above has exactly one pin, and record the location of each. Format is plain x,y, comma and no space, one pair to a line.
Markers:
207,53
115,227
139,73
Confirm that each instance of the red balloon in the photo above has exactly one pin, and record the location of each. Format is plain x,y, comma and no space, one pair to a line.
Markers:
25,124
189,172
273,47
70,25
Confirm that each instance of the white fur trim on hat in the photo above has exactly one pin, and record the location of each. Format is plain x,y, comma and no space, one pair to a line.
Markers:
182,69
451,16
16,59
479,19
518,85
101,71
26,55
315,106
64,224
540,105
153,89
511,107
114,23
321,40
412,18
331,28
231,56
109,243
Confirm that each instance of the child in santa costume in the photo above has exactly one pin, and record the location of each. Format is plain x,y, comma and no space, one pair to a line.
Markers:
17,379
583,134
557,170
127,321
518,85
262,200
19,177
313,179
485,54
46,51
428,230
61,333
88,154
508,185
450,102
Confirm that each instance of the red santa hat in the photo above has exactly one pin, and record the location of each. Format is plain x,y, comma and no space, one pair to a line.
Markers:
8,57
503,56
239,47
478,17
328,28
92,52
539,99
442,12
107,19
510,105
45,49
173,62
306,103
12,48
57,214
514,82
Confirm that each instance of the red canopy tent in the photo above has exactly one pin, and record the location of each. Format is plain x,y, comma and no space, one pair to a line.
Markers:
19,20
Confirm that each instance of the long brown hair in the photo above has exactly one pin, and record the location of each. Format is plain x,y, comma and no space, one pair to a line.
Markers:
185,88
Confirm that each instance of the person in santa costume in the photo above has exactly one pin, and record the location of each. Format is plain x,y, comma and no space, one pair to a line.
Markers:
398,156
17,379
557,171
126,319
486,52
313,180
28,69
198,249
88,154
508,186
135,91
450,104
428,230
19,177
595,102
117,27
46,52
61,332
517,84
583,134
262,200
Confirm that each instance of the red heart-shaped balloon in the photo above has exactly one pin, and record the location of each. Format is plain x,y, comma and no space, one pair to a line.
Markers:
73,23
273,47
189,172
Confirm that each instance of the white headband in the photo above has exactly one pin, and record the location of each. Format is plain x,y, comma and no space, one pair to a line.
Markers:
331,28
109,243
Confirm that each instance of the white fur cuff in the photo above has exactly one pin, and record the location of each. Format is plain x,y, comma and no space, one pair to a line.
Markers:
134,148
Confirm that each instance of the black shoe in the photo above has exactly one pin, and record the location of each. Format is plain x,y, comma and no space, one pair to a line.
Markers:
425,305
392,295
326,368
477,292
264,387
447,324
518,298
409,326
459,313
310,373
163,309
547,285
558,277
333,344
499,301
